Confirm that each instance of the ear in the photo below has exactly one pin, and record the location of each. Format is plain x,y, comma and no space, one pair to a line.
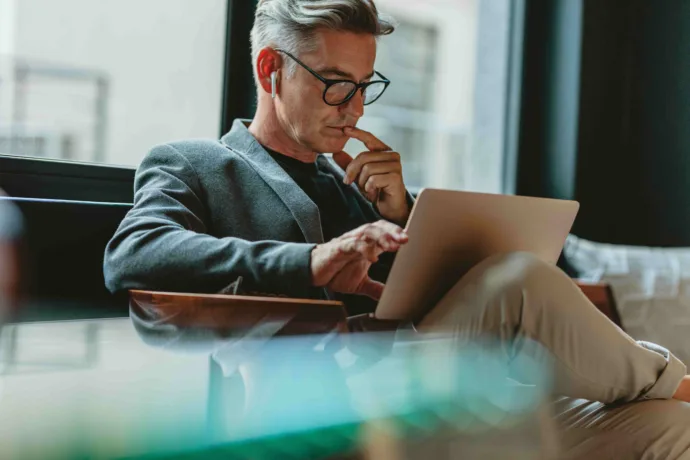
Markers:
268,61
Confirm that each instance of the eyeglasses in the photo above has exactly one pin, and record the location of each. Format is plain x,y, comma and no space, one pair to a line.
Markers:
338,92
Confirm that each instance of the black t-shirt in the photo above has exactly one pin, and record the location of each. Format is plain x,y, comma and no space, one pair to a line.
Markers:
340,210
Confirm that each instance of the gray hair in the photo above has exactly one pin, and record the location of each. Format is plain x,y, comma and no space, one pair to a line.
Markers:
291,24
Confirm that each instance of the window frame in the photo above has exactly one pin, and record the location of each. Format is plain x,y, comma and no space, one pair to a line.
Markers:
35,177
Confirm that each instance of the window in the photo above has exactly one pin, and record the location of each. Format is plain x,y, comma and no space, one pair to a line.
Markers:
104,81
445,108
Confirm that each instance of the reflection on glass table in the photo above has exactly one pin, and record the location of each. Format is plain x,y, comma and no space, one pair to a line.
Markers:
170,392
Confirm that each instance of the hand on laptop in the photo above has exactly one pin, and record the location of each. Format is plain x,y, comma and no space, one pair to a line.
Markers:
343,263
378,174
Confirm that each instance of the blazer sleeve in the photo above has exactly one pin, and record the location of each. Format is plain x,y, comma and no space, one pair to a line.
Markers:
162,244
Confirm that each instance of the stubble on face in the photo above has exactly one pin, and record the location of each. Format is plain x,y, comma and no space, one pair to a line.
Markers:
313,123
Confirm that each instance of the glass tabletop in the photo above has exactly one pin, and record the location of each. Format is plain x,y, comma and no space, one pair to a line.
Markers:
112,389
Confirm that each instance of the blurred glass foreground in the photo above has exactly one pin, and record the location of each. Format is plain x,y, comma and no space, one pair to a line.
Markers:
105,389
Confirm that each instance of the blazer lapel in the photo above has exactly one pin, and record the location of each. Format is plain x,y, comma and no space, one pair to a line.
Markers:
303,209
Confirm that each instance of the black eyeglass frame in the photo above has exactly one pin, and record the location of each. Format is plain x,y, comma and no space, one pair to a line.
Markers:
329,82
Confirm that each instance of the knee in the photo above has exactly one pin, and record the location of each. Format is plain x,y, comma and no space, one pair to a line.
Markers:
644,429
667,413
666,429
502,281
518,275
520,269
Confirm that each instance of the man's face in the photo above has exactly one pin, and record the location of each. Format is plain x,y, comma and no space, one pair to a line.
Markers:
302,111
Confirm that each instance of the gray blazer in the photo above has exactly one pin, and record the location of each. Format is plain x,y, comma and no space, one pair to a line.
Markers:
207,213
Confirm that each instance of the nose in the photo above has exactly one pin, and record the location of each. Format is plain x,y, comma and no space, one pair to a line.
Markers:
355,106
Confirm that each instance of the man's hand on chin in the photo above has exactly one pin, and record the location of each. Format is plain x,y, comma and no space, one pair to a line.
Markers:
343,263
378,174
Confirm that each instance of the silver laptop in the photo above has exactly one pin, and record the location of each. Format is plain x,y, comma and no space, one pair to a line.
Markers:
450,232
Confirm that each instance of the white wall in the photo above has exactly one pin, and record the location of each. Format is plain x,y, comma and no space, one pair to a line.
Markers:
164,59
7,33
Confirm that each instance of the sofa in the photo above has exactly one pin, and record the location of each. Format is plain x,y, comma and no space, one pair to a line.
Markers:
651,288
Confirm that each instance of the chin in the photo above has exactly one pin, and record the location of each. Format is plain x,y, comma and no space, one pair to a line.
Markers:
332,145
328,142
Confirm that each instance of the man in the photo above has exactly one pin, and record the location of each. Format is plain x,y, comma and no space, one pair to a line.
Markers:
263,211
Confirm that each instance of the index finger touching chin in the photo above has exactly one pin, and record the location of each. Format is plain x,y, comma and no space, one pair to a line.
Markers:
372,142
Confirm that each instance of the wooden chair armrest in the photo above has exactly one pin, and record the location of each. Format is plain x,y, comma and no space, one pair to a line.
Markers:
369,323
303,316
601,295
11,279
231,312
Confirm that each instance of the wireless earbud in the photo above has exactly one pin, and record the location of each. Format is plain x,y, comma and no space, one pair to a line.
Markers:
273,84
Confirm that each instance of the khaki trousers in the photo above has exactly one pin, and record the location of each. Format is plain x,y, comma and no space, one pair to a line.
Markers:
613,392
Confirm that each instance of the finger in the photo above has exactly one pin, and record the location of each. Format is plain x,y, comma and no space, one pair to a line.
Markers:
372,142
358,247
391,228
380,182
372,239
391,234
342,159
374,169
368,244
371,288
395,231
355,167
370,248
372,194
377,235
373,186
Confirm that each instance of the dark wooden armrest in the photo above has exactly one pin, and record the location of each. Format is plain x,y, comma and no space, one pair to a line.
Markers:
10,271
231,312
601,295
303,316
369,323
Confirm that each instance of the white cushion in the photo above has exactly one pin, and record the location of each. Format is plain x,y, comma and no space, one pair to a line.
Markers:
651,287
